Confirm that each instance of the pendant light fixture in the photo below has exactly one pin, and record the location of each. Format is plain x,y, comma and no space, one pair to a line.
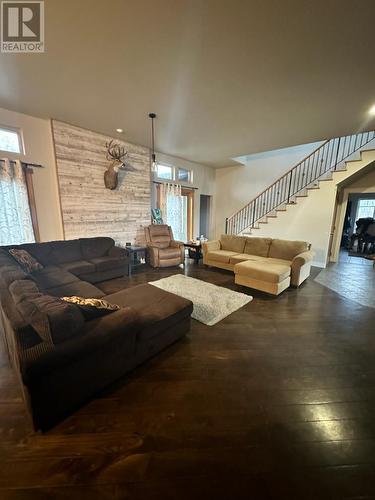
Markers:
153,156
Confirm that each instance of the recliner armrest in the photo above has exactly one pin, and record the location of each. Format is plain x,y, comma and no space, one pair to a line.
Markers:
302,259
176,244
210,246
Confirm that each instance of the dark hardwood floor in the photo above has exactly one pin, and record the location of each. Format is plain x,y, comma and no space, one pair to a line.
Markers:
277,401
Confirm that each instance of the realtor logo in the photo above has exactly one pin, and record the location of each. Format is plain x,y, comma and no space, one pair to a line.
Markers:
22,27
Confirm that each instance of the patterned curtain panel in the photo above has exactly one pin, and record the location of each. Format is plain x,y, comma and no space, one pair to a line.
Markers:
172,207
15,219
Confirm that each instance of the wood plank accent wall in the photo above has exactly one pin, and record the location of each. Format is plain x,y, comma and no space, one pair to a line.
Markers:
88,208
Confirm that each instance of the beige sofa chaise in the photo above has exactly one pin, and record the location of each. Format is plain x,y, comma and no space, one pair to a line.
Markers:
266,264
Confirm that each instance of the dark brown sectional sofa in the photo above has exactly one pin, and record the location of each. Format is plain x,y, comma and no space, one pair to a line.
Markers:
85,355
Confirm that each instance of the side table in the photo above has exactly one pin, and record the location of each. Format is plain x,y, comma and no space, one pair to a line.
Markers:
137,257
195,251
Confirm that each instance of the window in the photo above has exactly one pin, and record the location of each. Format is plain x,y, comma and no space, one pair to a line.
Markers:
164,171
366,208
10,140
184,175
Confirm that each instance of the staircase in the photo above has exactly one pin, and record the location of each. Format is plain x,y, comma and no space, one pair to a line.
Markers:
332,156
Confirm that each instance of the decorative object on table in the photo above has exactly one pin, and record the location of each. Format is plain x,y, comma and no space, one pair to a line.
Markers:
154,165
156,216
117,155
194,248
211,303
137,257
162,249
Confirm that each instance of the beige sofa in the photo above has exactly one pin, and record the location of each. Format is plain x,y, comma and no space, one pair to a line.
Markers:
266,264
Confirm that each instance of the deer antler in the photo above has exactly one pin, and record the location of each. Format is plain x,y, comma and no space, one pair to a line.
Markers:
115,152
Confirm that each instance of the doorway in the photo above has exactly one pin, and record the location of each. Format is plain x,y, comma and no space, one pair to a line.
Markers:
177,212
357,240
204,215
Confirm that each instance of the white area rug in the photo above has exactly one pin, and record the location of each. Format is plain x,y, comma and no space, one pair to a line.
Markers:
211,303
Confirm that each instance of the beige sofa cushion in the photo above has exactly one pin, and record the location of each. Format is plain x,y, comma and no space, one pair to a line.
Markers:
284,249
258,246
232,243
220,255
279,261
241,257
263,271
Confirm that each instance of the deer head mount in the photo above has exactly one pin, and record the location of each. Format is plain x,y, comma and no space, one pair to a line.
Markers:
116,154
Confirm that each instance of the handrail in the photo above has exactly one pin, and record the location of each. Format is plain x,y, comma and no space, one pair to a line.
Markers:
327,157
284,175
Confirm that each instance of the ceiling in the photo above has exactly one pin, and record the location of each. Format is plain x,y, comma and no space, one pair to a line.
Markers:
226,78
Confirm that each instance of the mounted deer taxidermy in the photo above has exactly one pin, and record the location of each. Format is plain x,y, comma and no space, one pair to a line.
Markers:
116,154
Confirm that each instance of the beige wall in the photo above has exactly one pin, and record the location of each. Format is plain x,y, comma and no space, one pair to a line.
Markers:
203,179
237,186
37,137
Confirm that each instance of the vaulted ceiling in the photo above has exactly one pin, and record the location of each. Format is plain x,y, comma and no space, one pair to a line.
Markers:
226,78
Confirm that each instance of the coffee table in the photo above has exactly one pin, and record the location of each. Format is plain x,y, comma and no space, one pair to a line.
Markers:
195,250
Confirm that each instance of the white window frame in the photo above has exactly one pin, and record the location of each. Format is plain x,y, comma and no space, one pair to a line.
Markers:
163,179
19,133
190,175
175,170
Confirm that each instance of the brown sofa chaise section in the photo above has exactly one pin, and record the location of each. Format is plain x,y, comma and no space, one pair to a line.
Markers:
266,264
60,370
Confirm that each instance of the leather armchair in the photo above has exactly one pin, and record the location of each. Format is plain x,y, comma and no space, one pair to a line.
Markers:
162,249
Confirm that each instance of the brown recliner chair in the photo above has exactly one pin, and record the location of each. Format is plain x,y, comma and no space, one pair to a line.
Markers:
163,250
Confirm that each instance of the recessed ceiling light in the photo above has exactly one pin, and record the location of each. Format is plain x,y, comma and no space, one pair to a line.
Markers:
372,110
119,130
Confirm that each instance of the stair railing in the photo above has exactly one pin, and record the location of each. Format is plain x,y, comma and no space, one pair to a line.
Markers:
328,157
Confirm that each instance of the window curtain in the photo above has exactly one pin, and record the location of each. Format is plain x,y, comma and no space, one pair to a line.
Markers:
15,217
172,209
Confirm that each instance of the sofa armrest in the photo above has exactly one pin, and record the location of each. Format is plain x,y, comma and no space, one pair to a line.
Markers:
176,244
119,252
95,334
210,246
302,259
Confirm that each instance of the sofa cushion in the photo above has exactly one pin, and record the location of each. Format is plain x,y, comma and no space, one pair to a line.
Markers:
258,246
156,308
106,263
79,267
285,249
54,320
263,271
91,248
79,288
232,243
27,262
8,274
41,251
65,251
284,262
52,276
241,257
221,255
6,259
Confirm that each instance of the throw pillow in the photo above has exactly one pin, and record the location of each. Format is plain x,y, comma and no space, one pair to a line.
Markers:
28,263
54,320
92,308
